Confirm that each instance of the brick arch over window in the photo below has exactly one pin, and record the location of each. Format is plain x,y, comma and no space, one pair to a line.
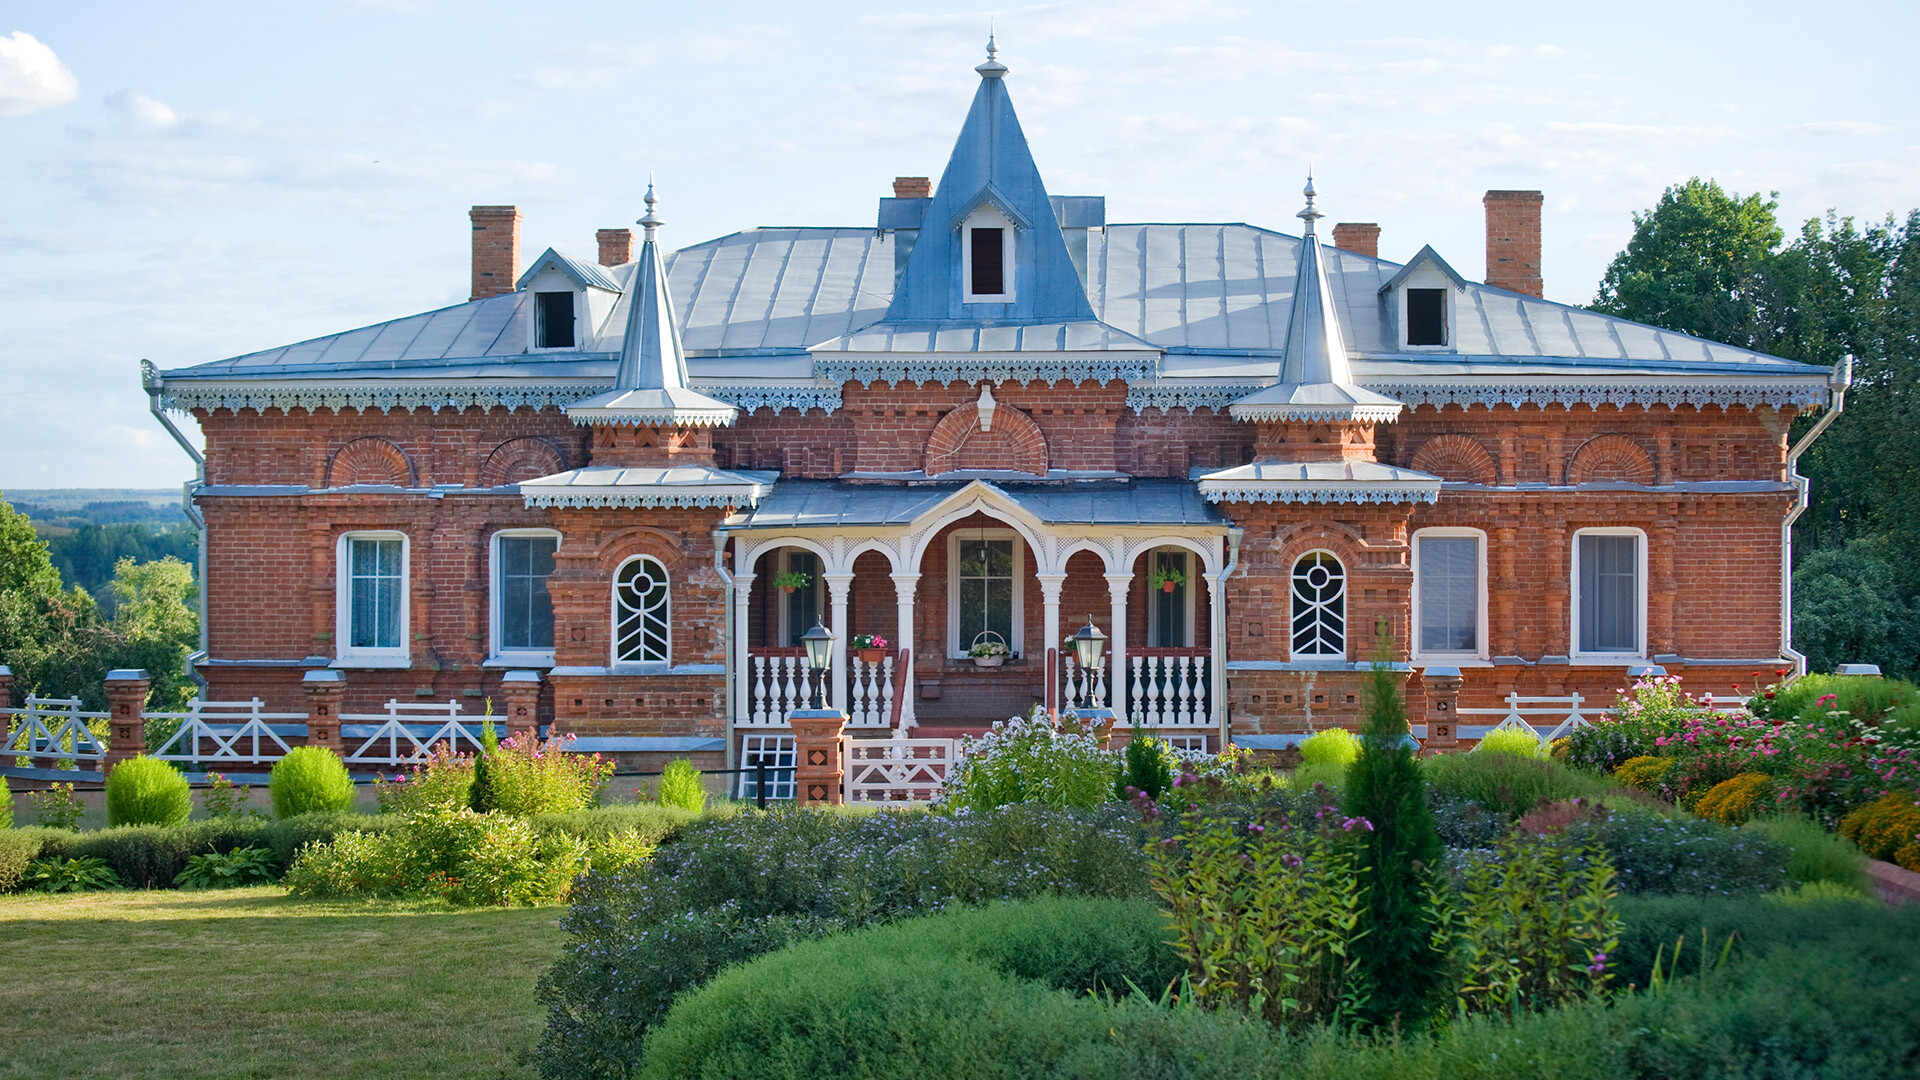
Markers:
1610,458
1014,443
370,460
1455,457
521,459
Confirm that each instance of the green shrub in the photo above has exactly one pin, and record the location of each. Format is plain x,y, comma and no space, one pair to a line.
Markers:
1032,759
1817,856
1335,747
445,781
1653,708
151,856
527,777
57,873
681,786
56,807
6,805
308,779
18,847
1536,924
470,859
352,864
1399,860
241,866
1809,893
1145,765
1509,741
1330,775
1510,785
726,889
1653,854
651,823
288,836
1864,697
480,792
147,791
1885,825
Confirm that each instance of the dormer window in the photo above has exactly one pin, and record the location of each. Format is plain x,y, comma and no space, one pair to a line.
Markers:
988,261
554,312
1426,316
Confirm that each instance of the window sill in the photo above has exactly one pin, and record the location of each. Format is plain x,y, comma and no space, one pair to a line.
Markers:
1451,661
524,660
1607,660
395,663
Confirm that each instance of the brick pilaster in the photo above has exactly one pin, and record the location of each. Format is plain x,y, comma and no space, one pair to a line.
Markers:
819,773
521,689
326,690
1443,707
126,716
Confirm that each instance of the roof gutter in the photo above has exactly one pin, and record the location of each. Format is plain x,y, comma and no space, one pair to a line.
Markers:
726,639
1838,381
154,383
1218,610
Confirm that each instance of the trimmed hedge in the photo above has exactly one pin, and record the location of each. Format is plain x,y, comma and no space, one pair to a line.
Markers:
1512,785
147,791
310,779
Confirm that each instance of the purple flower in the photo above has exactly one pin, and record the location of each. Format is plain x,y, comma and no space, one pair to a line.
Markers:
1599,965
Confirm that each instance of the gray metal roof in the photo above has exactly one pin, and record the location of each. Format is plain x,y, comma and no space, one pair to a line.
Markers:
828,503
1222,291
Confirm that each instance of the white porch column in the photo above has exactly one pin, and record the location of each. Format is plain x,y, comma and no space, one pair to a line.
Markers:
742,675
1050,633
903,588
1118,686
838,586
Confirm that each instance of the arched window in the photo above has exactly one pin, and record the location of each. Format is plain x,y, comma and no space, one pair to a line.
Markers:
1319,606
640,612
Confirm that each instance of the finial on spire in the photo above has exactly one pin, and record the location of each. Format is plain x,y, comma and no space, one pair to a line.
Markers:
1310,214
993,68
651,221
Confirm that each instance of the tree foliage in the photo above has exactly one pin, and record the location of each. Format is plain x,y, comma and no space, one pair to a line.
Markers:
1714,263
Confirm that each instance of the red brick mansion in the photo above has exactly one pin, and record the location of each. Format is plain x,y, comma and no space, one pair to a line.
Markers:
992,416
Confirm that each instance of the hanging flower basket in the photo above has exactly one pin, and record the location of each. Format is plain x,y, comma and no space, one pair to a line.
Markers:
1166,580
791,580
988,649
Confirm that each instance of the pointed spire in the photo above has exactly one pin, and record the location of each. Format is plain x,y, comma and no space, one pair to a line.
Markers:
1316,381
992,69
650,386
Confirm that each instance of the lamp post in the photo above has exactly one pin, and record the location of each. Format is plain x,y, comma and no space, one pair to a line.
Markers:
1087,645
819,643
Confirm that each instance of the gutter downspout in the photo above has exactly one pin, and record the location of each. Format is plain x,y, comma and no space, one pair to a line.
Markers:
1219,630
1837,383
720,567
151,380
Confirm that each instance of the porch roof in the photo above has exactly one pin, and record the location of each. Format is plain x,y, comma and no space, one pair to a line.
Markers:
830,503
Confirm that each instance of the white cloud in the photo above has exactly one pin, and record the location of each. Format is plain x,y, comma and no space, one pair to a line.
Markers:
142,112
32,78
1837,127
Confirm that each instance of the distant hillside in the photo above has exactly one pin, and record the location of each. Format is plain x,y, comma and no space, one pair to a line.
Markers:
58,511
88,530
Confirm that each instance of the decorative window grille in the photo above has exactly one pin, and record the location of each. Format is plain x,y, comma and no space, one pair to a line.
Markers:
776,752
1319,606
640,612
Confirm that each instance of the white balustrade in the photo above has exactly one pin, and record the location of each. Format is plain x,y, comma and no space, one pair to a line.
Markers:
871,702
781,684
1082,688
1169,691
225,733
53,730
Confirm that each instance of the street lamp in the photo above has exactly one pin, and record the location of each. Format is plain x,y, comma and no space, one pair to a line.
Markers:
1088,644
819,643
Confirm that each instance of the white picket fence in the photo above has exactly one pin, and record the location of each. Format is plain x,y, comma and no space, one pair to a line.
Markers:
1550,718
52,733
897,772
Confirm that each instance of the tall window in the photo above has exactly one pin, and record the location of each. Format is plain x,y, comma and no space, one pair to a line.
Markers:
372,597
984,588
1447,592
555,314
1170,611
523,609
1319,606
640,612
800,609
989,261
1609,596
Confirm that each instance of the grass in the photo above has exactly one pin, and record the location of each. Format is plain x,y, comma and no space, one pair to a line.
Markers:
250,983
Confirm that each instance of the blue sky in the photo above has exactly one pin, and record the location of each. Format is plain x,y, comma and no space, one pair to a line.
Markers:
185,182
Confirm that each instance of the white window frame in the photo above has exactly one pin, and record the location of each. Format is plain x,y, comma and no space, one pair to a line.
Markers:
1453,656
1187,591
495,594
345,655
616,664
1573,607
956,648
1346,609
987,217
818,587
1426,277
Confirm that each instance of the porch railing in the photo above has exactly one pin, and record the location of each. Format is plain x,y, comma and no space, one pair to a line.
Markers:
1163,688
870,693
52,733
781,682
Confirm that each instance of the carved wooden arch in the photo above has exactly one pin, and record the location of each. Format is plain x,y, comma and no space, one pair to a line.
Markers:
1457,457
520,459
370,460
1610,458
1015,442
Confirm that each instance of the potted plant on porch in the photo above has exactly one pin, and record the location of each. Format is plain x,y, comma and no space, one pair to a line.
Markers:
988,650
789,580
1166,579
871,648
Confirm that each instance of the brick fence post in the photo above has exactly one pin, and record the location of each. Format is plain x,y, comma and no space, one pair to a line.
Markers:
521,689
126,716
326,691
6,686
1443,707
818,772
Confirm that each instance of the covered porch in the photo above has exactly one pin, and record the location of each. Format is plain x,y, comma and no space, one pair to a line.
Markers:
938,568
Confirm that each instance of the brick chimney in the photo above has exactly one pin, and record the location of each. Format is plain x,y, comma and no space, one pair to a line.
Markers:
1359,237
616,246
1513,241
912,187
496,249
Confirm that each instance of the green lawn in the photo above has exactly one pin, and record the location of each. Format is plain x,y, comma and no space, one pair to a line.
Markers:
249,983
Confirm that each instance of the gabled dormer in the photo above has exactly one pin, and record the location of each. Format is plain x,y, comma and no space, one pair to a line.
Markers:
1422,302
568,301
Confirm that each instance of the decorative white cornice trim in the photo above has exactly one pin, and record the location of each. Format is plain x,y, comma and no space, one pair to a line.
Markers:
1099,367
1167,396
754,398
1316,414
1790,391
652,417
364,398
1308,492
649,500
